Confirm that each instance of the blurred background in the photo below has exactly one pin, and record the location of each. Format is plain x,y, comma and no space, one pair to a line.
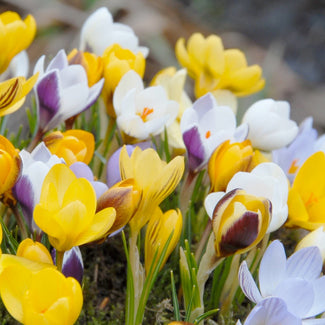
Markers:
287,38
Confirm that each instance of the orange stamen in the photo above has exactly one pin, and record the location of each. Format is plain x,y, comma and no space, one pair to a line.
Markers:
294,167
312,199
146,111
208,134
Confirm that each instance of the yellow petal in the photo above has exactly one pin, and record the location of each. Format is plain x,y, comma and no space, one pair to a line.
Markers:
34,251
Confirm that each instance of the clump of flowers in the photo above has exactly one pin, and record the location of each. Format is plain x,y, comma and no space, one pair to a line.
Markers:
168,174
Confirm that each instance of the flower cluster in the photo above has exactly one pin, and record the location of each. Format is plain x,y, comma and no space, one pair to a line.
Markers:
167,170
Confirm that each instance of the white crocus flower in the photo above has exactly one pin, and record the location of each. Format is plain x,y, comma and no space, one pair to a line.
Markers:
314,238
142,112
298,281
99,32
269,124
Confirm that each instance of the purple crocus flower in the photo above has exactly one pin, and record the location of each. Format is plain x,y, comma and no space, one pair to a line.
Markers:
81,169
27,189
298,280
291,157
72,264
62,91
205,126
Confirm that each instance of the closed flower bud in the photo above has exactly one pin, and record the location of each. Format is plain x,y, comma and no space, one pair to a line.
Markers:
72,145
239,222
124,197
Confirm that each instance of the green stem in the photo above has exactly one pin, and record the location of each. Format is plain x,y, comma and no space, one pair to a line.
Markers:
20,222
59,260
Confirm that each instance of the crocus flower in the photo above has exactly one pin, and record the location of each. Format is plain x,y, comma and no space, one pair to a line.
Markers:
271,311
10,165
156,178
214,68
124,197
117,61
160,228
113,165
269,124
18,67
227,160
314,238
34,251
306,199
62,91
72,145
142,112
13,93
67,210
239,221
205,126
173,82
92,63
267,180
40,297
291,157
15,36
27,189
99,32
298,280
80,169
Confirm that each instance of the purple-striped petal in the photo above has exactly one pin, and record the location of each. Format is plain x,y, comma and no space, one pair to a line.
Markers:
81,169
247,283
195,149
48,98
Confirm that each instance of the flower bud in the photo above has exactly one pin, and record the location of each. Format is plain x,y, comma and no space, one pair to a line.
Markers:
239,222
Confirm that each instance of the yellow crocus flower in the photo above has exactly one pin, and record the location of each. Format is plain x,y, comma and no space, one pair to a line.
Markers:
34,251
214,68
40,297
306,200
10,163
92,63
239,222
160,227
15,36
66,210
117,61
153,176
13,93
72,145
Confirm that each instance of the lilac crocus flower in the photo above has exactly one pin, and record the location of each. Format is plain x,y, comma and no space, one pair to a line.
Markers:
81,169
291,157
205,126
298,280
62,91
27,189
271,311
72,264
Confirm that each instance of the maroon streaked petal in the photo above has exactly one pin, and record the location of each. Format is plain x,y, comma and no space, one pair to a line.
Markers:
195,148
48,98
224,200
242,234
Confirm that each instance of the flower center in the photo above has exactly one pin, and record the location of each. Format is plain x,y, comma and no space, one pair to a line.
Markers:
145,112
208,134
293,168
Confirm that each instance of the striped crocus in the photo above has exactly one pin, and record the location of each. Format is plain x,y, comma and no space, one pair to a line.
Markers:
62,91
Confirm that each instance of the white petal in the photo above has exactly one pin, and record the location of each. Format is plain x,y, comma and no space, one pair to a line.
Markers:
319,300
272,268
211,201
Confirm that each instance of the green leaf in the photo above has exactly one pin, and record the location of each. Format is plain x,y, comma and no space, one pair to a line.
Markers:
205,316
174,297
